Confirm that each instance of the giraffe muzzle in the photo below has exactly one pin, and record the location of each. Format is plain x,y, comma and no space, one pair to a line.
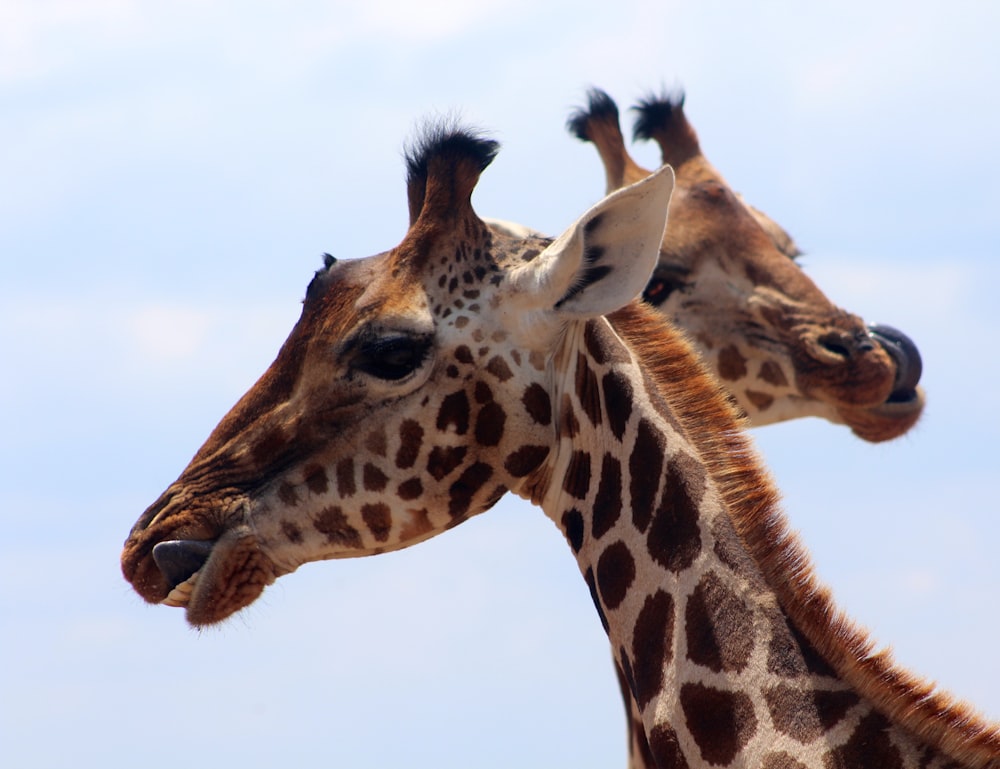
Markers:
180,562
905,355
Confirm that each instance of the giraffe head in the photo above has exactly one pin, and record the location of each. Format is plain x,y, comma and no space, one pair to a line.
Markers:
411,394
727,275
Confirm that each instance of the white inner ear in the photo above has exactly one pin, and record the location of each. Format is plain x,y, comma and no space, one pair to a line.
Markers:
604,260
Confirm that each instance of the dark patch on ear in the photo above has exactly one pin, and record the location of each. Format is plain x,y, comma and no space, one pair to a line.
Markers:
600,106
589,276
592,226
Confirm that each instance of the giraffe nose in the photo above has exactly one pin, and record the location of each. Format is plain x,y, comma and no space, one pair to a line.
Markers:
905,355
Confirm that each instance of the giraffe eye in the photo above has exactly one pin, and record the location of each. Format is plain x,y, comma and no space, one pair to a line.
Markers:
665,280
392,358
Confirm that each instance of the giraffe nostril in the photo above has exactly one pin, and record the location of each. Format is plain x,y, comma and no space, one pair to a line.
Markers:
180,558
834,343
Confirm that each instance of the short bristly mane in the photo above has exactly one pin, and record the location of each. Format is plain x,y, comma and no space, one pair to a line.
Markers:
717,432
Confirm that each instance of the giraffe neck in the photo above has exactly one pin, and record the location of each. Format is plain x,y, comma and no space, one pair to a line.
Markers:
668,519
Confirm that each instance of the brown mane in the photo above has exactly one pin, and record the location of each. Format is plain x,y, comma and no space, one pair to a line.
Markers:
713,426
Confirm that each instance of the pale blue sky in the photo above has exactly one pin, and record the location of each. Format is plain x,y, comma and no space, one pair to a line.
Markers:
170,174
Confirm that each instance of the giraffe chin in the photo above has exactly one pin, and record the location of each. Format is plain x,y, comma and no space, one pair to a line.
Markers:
888,420
214,580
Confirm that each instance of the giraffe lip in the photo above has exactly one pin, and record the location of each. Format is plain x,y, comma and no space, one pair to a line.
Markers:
180,561
905,355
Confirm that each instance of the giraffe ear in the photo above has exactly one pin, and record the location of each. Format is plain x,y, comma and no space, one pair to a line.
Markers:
605,259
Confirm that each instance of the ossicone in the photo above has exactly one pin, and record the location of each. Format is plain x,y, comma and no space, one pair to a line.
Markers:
443,165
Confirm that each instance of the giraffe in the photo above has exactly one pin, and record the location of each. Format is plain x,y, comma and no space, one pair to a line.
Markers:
421,384
726,273
721,256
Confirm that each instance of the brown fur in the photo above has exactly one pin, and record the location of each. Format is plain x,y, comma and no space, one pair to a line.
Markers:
716,431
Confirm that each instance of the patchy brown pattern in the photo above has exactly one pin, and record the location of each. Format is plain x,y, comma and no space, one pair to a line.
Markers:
332,522
721,722
618,397
525,460
652,645
608,502
868,746
576,483
645,468
719,627
537,403
587,391
615,574
674,539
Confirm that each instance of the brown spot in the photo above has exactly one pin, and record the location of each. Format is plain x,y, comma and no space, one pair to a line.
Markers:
615,574
732,364
376,443
572,524
372,478
287,494
525,460
332,522
577,480
411,435
444,459
771,372
292,532
472,479
721,722
762,401
490,424
537,403
482,393
731,551
569,426
870,745
463,354
345,477
618,397
454,412
790,654
645,467
608,502
315,479
652,645
587,391
410,489
665,747
378,520
601,346
781,760
674,539
498,367
833,706
719,627
804,715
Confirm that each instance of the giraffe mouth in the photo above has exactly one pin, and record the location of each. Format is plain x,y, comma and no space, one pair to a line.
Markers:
181,562
213,579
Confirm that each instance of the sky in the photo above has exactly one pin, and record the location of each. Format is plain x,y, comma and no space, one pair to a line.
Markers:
170,174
